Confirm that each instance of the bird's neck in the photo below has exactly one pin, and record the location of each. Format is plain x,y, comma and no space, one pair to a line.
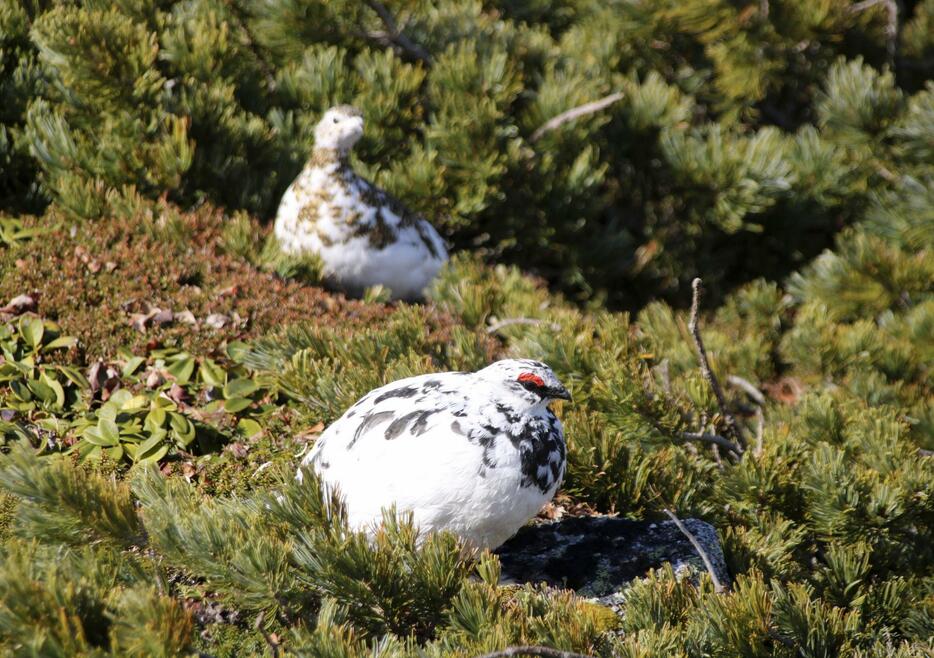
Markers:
327,158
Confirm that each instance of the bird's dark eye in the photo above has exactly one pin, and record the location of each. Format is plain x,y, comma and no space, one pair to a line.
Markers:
336,120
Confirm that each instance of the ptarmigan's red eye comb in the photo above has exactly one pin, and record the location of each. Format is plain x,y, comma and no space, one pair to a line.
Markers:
532,377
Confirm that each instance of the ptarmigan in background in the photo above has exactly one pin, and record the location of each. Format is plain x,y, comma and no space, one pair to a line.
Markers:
364,236
477,454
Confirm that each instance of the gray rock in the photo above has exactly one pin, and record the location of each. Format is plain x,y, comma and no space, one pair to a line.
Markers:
598,556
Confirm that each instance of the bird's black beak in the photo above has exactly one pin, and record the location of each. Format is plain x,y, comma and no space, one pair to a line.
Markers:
558,393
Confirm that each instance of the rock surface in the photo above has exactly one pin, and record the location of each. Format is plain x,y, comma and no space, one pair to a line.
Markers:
598,556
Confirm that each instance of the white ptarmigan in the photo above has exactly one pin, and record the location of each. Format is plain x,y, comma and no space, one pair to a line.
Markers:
477,454
363,236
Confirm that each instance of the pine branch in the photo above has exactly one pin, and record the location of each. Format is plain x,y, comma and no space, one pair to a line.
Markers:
706,371
542,652
393,36
575,113
508,322
718,586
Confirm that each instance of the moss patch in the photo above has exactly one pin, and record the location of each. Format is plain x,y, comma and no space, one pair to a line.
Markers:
96,279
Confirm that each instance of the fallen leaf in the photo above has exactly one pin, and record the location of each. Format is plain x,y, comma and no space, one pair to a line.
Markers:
310,433
154,379
216,320
177,394
20,304
786,390
238,450
186,316
162,316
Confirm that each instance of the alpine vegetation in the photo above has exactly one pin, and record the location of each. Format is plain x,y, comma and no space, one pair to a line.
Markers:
165,366
363,236
477,454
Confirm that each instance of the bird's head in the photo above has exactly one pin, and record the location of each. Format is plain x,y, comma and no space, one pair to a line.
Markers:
339,129
531,381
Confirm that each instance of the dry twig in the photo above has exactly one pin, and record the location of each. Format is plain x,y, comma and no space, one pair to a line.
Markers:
891,27
735,449
717,585
393,35
748,387
760,429
694,327
575,113
543,652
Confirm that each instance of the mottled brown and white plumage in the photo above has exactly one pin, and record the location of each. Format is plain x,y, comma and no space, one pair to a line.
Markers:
363,235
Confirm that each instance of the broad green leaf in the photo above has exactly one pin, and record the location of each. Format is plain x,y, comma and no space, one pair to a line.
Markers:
237,350
62,342
132,365
109,410
135,403
32,330
182,369
233,405
53,384
20,390
240,388
74,376
212,374
41,390
150,443
93,436
184,430
120,397
109,431
154,456
155,418
249,427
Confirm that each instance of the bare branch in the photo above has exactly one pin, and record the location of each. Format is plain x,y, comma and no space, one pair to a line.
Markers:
393,36
693,326
508,322
575,113
748,387
717,585
270,640
716,440
543,652
891,27
760,428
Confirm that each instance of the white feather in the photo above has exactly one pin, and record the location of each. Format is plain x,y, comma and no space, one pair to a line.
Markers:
429,468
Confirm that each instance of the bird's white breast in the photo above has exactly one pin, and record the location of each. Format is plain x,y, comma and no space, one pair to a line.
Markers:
427,467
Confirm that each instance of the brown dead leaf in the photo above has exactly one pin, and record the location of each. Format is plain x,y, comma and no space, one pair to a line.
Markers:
238,449
216,320
786,390
162,316
177,394
21,304
154,379
186,317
